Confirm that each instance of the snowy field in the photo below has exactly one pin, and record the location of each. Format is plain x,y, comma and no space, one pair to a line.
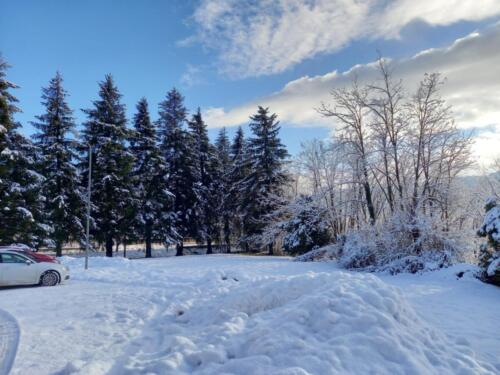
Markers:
252,315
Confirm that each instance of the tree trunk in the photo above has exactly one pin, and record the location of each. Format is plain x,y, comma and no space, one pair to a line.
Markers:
390,196
58,249
271,250
367,188
227,236
125,249
148,239
369,202
209,246
109,247
180,249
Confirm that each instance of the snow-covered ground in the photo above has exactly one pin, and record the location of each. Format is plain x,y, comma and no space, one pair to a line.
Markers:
253,315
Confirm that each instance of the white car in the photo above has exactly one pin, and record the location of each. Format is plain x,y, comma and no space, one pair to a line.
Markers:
19,269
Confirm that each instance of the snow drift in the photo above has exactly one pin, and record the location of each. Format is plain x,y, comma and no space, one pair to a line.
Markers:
243,315
317,323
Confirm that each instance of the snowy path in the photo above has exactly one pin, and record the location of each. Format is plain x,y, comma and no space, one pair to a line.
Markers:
252,315
9,339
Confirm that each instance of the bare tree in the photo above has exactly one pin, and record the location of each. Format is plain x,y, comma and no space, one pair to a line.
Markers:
386,102
351,113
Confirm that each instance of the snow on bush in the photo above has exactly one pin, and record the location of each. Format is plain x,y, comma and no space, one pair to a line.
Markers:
316,323
403,244
306,228
489,257
322,254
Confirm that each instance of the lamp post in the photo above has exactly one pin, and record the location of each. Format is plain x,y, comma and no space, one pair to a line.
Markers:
89,188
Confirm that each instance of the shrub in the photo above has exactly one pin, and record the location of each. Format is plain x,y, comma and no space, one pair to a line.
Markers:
489,253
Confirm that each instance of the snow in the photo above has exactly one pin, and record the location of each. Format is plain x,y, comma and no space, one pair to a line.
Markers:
254,315
493,267
9,339
491,223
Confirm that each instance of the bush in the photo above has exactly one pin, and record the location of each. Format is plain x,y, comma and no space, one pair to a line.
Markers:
393,247
305,226
489,253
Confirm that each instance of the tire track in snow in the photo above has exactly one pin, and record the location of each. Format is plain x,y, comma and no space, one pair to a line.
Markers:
9,340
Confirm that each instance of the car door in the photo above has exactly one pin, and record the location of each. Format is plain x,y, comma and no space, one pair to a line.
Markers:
17,270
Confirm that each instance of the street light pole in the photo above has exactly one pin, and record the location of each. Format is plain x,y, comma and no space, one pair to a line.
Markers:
89,187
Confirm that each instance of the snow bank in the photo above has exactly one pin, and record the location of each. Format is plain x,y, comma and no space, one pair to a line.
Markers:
316,323
252,315
99,262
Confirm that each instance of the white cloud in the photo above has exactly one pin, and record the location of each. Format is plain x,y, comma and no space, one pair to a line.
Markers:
260,37
471,66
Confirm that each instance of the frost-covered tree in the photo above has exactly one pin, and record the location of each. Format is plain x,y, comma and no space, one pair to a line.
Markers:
222,187
205,181
306,227
351,114
489,257
105,130
64,200
176,148
153,201
267,177
21,211
239,170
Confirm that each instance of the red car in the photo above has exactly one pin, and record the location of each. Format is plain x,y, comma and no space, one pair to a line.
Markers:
25,250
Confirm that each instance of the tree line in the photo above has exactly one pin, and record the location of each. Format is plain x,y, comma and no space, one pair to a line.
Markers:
151,181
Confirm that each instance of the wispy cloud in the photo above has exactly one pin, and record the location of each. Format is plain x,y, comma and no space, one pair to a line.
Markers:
471,66
262,37
192,76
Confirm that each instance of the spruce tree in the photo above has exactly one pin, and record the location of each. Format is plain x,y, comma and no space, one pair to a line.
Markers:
176,148
489,256
267,177
105,131
238,173
21,211
205,181
64,202
153,200
201,178
223,187
306,226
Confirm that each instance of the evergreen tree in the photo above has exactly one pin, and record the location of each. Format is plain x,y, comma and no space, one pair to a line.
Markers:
21,211
153,200
204,181
222,186
176,148
267,177
239,171
306,227
489,257
105,131
64,199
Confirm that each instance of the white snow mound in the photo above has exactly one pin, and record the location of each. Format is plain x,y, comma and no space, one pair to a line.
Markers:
314,323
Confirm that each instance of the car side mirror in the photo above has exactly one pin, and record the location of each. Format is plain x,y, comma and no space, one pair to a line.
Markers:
28,262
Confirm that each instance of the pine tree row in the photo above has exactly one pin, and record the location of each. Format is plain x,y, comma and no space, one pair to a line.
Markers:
153,182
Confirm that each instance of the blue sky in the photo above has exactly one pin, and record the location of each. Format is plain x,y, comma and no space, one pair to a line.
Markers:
150,46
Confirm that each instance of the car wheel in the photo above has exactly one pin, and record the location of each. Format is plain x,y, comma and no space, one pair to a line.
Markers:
49,278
